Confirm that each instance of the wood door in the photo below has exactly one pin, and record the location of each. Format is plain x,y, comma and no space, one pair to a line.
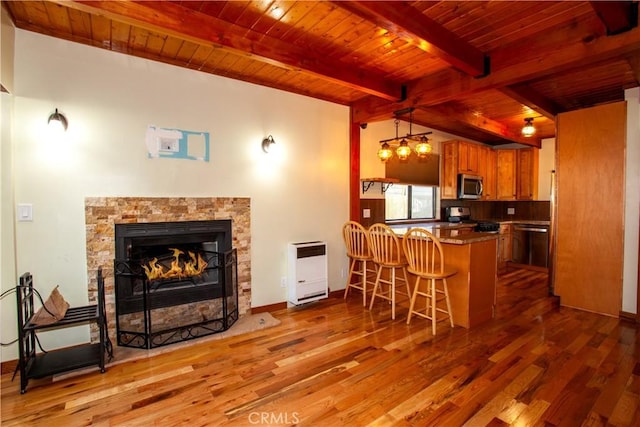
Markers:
468,157
449,174
590,165
489,179
506,175
527,171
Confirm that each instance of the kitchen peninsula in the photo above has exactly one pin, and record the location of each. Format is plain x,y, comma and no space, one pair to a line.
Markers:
472,290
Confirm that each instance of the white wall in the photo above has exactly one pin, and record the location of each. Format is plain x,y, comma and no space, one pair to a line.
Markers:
110,99
7,252
632,203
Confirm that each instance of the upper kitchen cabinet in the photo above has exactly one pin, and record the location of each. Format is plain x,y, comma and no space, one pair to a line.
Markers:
506,175
458,157
468,157
449,170
527,174
487,162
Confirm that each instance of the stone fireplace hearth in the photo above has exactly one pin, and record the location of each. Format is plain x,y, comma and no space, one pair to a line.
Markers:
102,213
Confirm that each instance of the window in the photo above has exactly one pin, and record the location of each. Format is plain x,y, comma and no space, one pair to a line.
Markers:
410,202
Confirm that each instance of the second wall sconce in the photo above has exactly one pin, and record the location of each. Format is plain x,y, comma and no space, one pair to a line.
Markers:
58,119
266,143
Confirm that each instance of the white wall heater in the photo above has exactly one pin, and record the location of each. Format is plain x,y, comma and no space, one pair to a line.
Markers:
307,277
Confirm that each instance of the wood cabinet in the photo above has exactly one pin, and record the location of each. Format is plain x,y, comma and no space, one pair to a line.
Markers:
472,289
504,245
506,175
459,157
468,157
449,170
488,169
527,174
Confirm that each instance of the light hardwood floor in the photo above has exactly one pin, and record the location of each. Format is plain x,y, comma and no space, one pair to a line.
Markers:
335,363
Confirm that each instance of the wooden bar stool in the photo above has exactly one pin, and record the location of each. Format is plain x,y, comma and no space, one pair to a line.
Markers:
426,261
355,240
387,254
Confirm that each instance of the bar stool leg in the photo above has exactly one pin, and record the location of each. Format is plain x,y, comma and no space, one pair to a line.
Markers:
433,306
414,296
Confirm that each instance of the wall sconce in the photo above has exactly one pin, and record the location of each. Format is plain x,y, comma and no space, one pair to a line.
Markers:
58,120
266,143
528,129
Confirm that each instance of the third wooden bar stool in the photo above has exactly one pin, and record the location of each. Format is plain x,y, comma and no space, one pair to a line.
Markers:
426,261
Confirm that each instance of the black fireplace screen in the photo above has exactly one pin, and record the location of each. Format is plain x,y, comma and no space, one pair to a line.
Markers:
174,281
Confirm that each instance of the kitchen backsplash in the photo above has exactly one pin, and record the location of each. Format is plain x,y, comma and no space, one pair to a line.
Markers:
499,210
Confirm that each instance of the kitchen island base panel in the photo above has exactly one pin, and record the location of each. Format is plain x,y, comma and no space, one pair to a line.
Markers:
473,289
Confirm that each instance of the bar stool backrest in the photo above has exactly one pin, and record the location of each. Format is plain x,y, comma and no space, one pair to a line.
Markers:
355,240
423,252
385,245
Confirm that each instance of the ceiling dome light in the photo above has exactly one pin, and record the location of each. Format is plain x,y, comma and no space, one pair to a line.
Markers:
528,129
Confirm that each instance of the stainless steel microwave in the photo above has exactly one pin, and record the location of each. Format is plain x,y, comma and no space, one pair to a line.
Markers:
469,186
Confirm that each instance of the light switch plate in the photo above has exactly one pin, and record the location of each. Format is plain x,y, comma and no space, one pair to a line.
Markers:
25,212
511,211
366,213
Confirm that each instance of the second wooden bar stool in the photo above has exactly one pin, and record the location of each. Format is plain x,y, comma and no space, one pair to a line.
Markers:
387,254
426,261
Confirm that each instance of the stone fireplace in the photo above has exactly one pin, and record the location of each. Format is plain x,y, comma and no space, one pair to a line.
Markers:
104,214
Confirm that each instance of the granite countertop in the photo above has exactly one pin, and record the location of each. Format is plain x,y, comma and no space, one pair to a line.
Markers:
448,232
522,221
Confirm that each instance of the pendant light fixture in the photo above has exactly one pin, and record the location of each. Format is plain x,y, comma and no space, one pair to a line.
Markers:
402,145
528,129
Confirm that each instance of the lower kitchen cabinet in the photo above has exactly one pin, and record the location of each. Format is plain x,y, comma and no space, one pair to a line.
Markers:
504,245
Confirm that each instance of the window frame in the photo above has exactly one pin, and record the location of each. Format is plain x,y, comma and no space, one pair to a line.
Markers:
434,190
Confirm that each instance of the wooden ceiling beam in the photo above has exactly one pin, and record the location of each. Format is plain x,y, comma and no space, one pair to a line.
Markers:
188,24
617,16
529,59
532,99
408,23
479,122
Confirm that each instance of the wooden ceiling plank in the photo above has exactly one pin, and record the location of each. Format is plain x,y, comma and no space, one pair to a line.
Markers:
80,24
101,31
535,61
525,95
155,43
120,36
199,28
58,17
617,16
409,23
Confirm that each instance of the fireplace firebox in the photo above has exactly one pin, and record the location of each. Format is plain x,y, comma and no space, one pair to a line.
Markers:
174,281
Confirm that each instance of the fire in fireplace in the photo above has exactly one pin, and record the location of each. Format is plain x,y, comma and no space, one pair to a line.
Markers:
174,281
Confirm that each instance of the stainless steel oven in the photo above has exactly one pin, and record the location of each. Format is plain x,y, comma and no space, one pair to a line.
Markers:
531,245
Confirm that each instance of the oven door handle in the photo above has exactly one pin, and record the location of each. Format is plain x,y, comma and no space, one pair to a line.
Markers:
536,230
